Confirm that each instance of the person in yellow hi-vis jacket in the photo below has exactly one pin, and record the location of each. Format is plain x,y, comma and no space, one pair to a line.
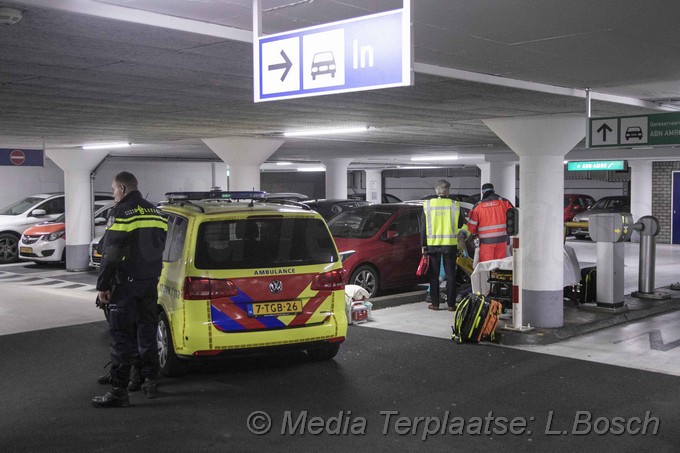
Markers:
439,239
132,253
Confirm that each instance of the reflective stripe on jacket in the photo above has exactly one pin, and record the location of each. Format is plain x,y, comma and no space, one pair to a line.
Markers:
441,222
487,220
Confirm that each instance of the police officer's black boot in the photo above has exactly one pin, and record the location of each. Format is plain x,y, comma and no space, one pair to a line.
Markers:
104,379
116,397
150,388
136,379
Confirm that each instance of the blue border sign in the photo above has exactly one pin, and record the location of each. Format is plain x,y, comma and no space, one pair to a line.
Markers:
365,53
15,157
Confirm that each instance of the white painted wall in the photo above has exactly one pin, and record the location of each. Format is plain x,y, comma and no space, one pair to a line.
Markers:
17,183
594,188
414,188
157,178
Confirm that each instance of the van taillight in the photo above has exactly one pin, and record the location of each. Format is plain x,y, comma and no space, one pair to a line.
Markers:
208,288
328,281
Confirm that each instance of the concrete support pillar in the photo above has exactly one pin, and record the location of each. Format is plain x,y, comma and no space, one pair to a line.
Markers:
502,176
541,143
336,177
640,191
374,186
77,166
244,157
220,172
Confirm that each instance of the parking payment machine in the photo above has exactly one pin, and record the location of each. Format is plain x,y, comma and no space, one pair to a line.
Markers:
609,231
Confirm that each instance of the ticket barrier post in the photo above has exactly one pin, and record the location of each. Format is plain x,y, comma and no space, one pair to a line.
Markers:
609,231
649,228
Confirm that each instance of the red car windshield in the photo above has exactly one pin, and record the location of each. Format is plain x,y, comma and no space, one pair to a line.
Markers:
358,223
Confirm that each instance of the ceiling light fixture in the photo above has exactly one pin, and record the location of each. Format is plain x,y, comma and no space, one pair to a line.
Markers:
416,167
284,163
10,16
434,158
311,169
312,132
107,145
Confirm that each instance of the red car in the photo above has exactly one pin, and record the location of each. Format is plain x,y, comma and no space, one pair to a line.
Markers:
575,203
379,245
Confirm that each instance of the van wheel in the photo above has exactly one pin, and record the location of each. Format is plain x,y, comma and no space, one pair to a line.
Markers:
169,363
9,250
366,277
325,353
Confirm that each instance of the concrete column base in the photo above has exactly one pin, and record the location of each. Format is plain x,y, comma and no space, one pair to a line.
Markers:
542,308
78,258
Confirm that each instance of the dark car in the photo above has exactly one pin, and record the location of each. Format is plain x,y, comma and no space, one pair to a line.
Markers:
380,245
474,199
617,203
453,196
386,197
329,208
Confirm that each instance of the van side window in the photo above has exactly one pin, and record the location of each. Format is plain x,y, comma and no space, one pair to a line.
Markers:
174,241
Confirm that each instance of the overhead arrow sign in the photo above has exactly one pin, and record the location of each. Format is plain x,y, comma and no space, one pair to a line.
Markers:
604,129
285,65
364,53
659,129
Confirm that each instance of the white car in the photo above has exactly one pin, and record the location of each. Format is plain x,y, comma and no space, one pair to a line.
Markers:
46,242
17,217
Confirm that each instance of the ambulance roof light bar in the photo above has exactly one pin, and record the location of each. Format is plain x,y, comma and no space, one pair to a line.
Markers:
216,195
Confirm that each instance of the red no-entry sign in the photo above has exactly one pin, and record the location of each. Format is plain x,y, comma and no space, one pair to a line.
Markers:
17,157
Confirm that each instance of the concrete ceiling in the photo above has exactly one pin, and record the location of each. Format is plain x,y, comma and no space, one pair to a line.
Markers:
164,74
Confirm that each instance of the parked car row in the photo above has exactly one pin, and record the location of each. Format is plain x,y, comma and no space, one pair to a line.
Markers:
17,217
46,242
578,226
379,243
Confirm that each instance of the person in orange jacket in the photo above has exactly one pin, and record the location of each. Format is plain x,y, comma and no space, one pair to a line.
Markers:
487,220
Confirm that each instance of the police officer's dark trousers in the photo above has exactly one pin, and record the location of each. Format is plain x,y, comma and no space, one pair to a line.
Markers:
133,302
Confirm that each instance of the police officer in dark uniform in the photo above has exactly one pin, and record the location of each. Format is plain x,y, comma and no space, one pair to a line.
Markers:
131,264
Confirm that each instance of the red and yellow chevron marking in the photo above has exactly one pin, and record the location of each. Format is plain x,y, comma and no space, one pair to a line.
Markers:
232,314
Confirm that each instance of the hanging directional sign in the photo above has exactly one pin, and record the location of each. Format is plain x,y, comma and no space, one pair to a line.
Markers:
365,53
647,130
599,165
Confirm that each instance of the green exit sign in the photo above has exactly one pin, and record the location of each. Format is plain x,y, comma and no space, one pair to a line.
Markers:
596,165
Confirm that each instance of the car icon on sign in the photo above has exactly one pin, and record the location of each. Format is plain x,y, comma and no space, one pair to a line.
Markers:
634,132
323,63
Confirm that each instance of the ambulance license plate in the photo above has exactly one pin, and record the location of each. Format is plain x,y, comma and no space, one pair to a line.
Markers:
288,307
